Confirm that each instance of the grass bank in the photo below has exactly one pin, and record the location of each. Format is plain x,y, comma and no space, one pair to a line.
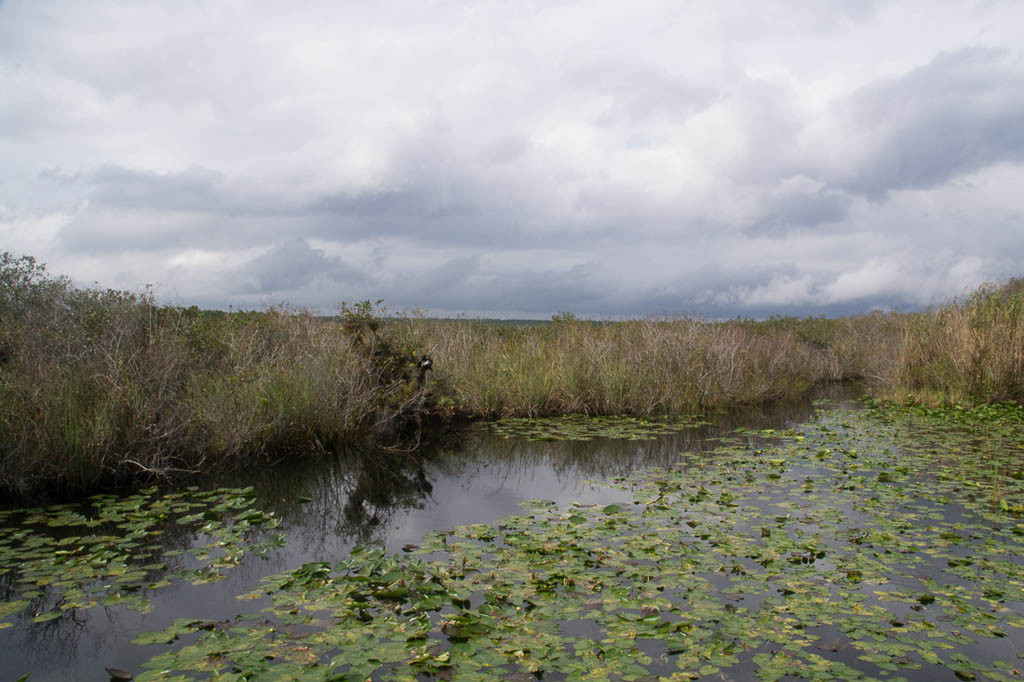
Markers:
102,387
970,350
106,387
651,366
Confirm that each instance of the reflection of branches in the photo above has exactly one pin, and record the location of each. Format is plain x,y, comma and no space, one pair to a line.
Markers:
8,585
355,496
379,488
348,499
52,641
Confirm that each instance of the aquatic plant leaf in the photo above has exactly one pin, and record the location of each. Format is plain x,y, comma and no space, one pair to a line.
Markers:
874,544
119,564
583,428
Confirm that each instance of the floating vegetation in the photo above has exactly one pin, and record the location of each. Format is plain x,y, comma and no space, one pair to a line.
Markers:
113,552
1000,415
854,549
578,427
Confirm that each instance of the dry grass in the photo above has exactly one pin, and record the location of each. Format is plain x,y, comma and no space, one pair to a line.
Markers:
106,387
141,399
652,366
968,350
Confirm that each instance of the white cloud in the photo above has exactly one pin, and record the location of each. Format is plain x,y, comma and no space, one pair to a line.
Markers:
719,158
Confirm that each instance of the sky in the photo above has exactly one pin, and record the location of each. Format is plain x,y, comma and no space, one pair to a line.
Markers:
518,158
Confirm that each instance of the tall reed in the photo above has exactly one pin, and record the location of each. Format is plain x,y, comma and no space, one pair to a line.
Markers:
970,349
103,386
100,387
651,366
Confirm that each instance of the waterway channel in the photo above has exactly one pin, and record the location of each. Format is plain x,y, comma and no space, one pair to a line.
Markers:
323,508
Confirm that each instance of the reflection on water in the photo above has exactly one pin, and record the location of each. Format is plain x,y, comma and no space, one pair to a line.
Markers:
388,499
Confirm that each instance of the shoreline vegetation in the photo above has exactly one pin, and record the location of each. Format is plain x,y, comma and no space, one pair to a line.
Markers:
106,388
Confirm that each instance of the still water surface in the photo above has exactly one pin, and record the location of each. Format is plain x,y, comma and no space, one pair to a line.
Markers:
387,500
912,542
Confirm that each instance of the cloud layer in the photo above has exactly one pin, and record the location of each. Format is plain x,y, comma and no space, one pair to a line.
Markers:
518,158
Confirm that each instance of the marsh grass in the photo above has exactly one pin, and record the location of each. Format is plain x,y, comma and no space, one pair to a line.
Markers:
103,387
650,366
971,349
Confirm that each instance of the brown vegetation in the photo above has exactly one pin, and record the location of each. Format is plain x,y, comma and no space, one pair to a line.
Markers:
652,366
106,387
969,350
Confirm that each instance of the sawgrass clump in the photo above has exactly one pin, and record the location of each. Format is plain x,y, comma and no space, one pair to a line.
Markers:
650,366
970,350
105,387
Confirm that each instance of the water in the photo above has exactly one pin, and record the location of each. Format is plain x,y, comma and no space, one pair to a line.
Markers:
388,500
391,500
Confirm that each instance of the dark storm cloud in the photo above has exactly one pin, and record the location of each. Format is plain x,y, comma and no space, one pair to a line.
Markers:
197,190
99,229
706,290
193,190
532,290
579,287
463,215
590,290
799,204
121,209
961,112
128,209
416,212
436,203
293,265
805,210
436,285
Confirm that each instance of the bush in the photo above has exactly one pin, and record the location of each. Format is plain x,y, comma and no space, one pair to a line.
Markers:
105,387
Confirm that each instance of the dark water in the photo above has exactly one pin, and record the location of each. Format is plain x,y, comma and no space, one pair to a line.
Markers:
385,499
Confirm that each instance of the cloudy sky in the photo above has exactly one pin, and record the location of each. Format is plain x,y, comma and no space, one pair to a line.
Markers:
518,157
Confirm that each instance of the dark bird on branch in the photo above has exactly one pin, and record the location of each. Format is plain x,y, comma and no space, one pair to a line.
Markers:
425,365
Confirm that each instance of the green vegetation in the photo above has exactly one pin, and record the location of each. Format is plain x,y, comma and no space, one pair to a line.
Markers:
580,428
852,548
63,560
102,387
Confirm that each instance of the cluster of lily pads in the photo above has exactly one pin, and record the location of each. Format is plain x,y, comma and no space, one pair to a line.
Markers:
986,416
856,548
582,428
113,551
